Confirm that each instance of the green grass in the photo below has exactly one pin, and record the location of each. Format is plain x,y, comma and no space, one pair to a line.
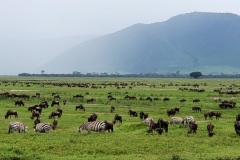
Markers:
129,140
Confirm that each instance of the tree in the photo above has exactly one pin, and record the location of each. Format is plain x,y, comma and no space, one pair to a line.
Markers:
195,74
42,71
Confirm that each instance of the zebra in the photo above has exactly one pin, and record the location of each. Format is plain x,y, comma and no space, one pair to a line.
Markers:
176,120
97,126
187,120
17,126
43,127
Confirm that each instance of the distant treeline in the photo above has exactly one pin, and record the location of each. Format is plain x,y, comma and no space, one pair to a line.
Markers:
142,75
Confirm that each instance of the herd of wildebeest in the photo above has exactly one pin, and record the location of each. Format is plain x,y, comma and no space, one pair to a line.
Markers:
91,124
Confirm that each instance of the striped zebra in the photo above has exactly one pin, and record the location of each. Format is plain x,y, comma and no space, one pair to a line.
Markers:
43,127
97,126
17,126
187,120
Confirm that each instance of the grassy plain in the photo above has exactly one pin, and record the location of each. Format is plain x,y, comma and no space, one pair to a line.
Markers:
129,140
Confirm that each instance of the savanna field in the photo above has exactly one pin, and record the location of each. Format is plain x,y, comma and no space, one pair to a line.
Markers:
130,140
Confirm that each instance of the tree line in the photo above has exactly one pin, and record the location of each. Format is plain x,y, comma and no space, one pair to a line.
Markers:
195,74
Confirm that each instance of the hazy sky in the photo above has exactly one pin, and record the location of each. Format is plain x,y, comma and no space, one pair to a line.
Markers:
56,18
47,19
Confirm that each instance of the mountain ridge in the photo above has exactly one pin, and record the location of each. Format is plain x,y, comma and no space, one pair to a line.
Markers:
208,42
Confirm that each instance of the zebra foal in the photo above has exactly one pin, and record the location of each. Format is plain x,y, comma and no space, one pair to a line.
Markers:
97,126
43,127
17,126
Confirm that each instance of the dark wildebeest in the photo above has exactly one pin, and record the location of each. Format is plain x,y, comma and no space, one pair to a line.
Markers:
109,126
55,113
171,112
55,103
192,127
43,104
166,99
112,109
93,117
237,127
19,103
10,113
64,102
35,114
31,108
196,100
196,109
132,113
80,106
141,114
39,109
163,124
36,122
218,115
183,100
117,118
90,100
238,117
210,128
60,110
54,124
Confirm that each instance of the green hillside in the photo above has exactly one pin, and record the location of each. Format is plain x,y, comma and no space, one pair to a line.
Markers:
209,42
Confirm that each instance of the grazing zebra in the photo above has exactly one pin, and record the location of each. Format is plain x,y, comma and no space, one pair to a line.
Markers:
17,126
148,121
187,120
43,127
176,120
97,126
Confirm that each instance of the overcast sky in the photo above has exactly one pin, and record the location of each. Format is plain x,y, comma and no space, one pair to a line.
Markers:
47,19
57,18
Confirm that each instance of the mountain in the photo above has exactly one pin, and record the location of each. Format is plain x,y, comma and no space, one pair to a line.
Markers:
207,42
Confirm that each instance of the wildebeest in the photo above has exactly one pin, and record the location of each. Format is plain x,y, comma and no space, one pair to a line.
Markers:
237,127
43,104
176,120
90,100
192,127
31,108
171,112
210,114
112,109
117,118
238,117
35,114
196,100
210,128
132,113
218,115
80,106
60,110
183,100
55,103
166,99
10,113
64,102
36,122
54,124
196,109
109,126
19,103
93,117
55,113
163,125
141,114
